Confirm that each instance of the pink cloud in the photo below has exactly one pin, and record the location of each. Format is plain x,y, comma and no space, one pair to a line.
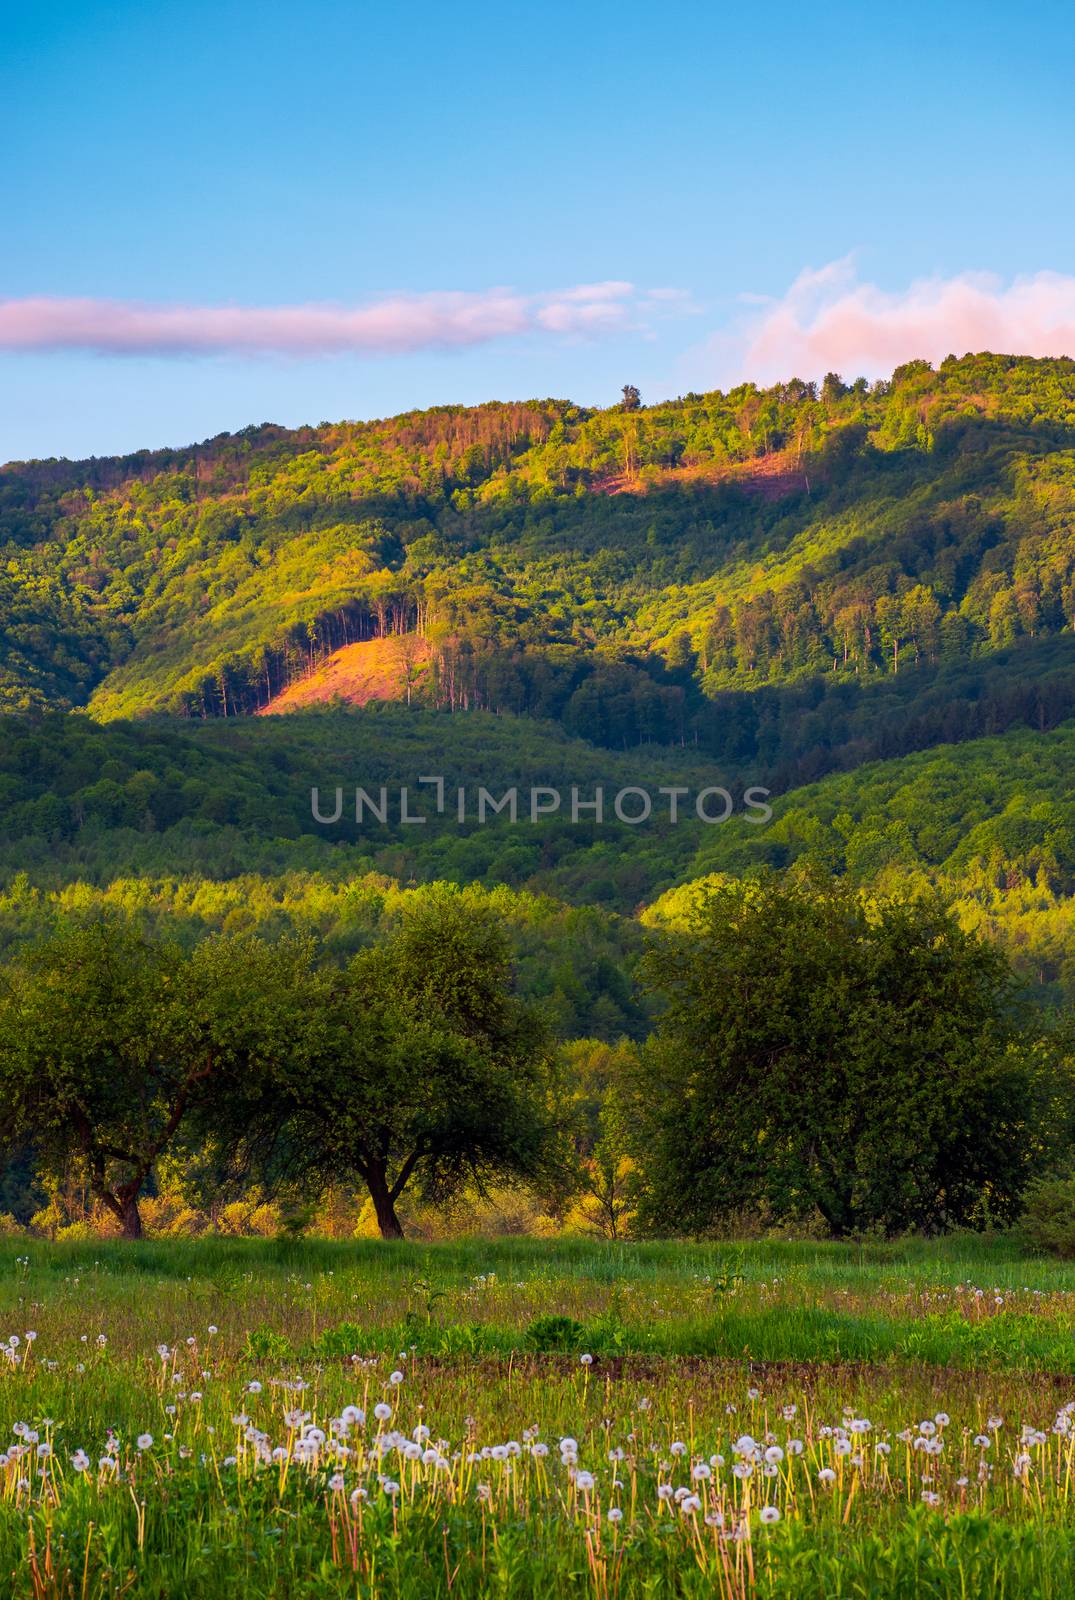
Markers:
395,325
829,321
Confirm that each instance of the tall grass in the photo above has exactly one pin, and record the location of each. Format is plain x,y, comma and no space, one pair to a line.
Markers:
178,1424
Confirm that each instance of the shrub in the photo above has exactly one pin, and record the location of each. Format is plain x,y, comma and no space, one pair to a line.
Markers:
266,1344
1048,1221
346,1339
555,1333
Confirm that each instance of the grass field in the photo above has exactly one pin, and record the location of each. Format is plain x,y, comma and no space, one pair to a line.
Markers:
209,1418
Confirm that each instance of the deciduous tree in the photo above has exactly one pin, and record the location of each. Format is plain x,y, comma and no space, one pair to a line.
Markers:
822,1053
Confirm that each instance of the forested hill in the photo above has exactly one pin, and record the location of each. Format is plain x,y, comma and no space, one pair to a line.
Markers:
208,824
774,575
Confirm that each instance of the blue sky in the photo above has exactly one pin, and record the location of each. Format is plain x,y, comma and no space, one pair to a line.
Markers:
171,162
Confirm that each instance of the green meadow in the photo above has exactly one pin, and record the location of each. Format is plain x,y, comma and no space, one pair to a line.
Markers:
208,1418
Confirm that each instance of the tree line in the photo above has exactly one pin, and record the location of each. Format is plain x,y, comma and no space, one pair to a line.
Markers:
926,522
818,1053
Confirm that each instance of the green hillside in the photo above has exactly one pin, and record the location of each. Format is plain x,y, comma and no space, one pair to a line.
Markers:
991,822
615,570
860,597
209,825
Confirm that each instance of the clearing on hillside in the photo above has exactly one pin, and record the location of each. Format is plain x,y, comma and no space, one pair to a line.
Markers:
375,669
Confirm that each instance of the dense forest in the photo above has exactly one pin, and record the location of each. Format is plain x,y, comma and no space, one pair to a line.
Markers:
857,597
614,570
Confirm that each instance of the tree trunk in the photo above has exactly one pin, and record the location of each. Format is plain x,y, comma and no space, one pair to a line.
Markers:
384,1205
132,1220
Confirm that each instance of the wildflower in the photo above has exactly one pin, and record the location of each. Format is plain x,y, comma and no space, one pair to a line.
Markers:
382,1412
678,1448
357,1495
584,1481
701,1472
769,1514
664,1491
615,1514
253,1387
145,1441
335,1483
80,1460
826,1475
689,1505
587,1360
774,1454
395,1377
929,1498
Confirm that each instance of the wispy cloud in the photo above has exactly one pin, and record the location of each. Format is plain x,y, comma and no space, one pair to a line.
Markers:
396,324
829,320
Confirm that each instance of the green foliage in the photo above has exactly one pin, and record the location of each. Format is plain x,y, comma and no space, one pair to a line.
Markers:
791,537
819,1052
1048,1219
345,1339
110,1044
419,1064
555,1333
266,1344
